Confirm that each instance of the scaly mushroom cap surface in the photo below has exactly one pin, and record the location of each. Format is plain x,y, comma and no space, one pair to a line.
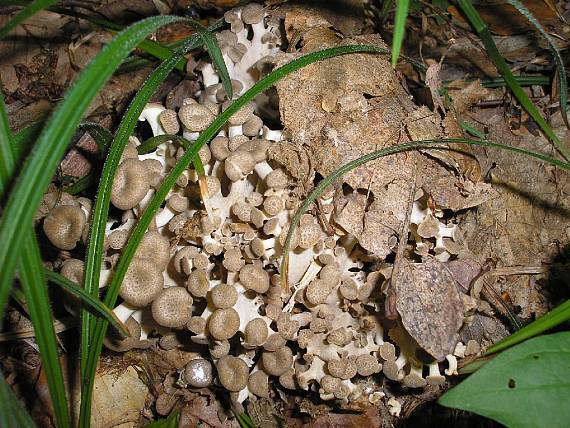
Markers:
172,307
130,185
169,121
278,362
233,373
64,225
344,368
73,270
198,283
198,373
142,283
258,383
154,248
254,277
224,296
195,117
223,323
256,332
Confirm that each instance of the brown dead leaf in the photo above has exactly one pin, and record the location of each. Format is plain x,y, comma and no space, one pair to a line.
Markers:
430,306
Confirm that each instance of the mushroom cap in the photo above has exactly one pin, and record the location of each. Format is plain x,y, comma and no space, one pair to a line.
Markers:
236,141
242,115
130,185
198,373
391,370
224,296
172,307
273,205
73,270
278,362
238,164
317,291
242,210
223,323
195,117
258,383
287,379
254,277
233,260
344,368
330,384
198,283
169,121
64,225
142,283
349,289
154,248
252,13
219,348
309,235
387,351
118,238
340,337
256,332
367,365
414,381
274,342
196,325
277,179
219,148
233,373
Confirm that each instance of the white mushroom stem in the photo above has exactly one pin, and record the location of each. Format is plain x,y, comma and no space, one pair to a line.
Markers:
234,130
452,361
209,75
124,311
190,135
311,273
262,169
272,135
434,369
150,113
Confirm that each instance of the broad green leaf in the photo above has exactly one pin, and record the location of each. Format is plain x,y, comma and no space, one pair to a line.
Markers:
485,35
526,386
553,318
94,304
24,14
40,166
399,29
12,413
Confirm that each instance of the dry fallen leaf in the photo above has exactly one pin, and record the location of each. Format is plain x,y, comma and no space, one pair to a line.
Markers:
430,306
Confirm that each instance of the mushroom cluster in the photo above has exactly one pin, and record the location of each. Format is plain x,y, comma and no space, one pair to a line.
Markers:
210,263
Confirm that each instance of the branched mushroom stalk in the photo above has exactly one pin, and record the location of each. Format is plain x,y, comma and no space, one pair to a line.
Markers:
210,263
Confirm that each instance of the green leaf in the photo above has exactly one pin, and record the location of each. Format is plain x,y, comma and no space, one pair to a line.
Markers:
555,54
40,166
553,318
94,304
399,29
485,35
24,14
12,413
101,135
526,386
170,422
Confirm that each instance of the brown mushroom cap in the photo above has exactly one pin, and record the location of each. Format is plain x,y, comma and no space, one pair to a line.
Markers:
367,365
344,368
198,373
219,348
254,277
73,270
169,121
242,115
233,260
252,126
238,164
142,283
330,384
256,332
130,185
223,323
287,379
274,342
198,283
309,235
219,148
195,117
223,296
133,341
233,373
64,225
252,13
273,205
196,325
278,362
258,383
154,248
340,337
172,307
317,291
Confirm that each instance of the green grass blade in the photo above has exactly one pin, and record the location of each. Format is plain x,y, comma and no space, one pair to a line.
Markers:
80,185
101,208
336,175
34,286
12,413
6,147
553,318
485,35
101,135
24,140
399,29
152,143
555,54
170,422
94,304
170,180
27,12
40,166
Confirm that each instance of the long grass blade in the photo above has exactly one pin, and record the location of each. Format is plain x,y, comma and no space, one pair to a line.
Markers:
337,174
39,167
170,180
95,305
34,287
555,54
12,413
485,35
402,7
101,208
28,11
102,136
